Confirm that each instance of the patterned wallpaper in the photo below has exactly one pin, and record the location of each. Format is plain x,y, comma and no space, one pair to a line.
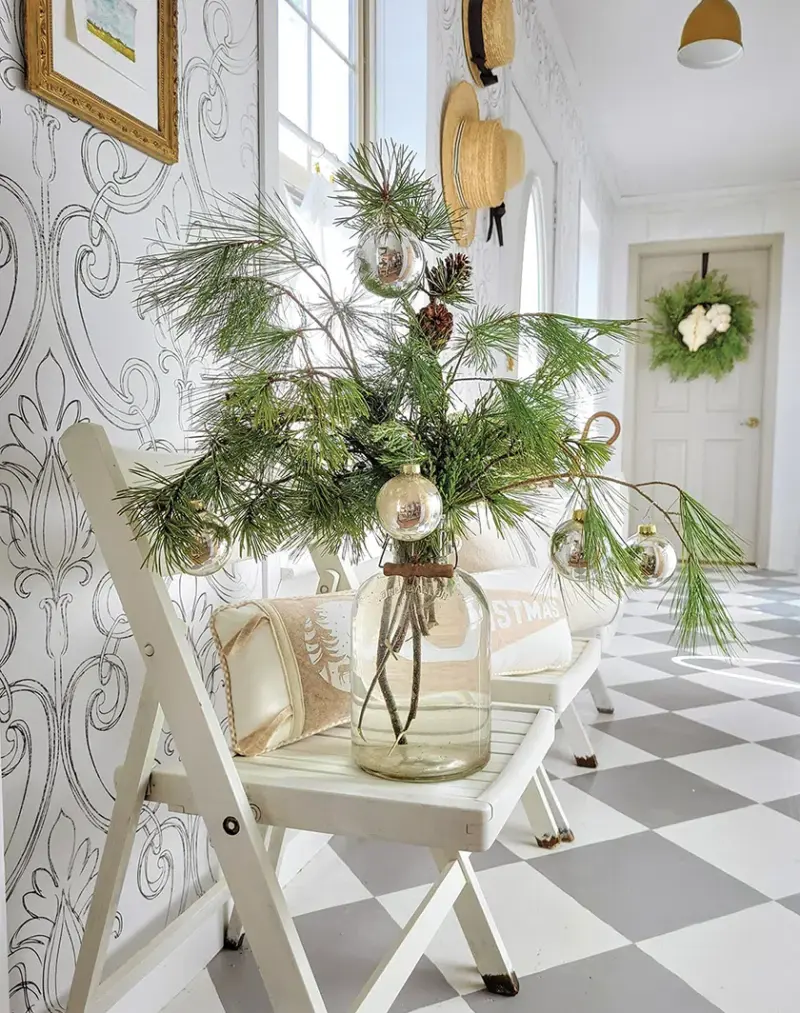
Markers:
76,210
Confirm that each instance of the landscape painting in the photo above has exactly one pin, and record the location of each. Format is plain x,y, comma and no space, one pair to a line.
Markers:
110,30
114,23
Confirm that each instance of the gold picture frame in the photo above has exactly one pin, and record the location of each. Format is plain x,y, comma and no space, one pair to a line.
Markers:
42,79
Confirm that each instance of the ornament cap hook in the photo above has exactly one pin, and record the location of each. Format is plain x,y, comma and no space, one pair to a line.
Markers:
648,529
411,469
579,516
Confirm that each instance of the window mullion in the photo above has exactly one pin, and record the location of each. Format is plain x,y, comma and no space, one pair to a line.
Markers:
309,85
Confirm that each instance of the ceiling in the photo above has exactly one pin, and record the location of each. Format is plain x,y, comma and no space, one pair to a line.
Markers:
660,128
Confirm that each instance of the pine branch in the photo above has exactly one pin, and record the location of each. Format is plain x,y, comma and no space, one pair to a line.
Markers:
316,400
381,191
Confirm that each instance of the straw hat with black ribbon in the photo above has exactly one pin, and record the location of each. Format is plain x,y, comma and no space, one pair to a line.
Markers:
488,37
481,161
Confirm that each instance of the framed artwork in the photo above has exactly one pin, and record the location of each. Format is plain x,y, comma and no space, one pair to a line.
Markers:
113,63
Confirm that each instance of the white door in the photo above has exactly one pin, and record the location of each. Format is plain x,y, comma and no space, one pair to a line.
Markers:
704,435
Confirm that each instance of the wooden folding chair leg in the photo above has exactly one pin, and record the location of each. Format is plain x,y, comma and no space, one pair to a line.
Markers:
480,930
131,790
564,831
273,841
579,742
393,971
536,804
600,694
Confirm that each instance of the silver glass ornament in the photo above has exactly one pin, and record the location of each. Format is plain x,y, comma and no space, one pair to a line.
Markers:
389,264
567,548
409,506
656,557
212,547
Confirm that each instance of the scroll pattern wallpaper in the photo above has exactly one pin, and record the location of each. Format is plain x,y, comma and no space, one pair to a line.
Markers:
76,210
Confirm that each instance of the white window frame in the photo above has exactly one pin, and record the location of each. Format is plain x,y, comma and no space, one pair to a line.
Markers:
535,218
590,245
277,169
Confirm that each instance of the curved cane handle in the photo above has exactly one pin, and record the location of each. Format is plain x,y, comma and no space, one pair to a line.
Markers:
603,415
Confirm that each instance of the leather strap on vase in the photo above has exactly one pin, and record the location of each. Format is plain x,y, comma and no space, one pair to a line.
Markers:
409,570
477,43
496,221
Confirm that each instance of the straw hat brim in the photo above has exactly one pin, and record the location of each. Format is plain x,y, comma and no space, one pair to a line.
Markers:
461,104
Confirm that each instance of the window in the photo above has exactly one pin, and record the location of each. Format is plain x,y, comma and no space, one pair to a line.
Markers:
323,59
533,289
588,266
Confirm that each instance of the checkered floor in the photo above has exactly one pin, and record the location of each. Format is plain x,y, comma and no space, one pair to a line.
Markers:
682,889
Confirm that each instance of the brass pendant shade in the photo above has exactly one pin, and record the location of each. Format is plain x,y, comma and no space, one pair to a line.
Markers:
712,36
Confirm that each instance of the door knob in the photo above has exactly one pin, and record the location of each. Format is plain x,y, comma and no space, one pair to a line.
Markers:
751,423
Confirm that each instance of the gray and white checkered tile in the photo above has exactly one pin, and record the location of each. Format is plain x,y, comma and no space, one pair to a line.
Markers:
682,889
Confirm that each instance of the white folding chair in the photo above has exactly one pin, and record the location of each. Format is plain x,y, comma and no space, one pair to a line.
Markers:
311,785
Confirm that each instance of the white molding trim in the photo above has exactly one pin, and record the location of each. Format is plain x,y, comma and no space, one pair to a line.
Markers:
4,996
169,963
268,82
774,244
659,201
161,970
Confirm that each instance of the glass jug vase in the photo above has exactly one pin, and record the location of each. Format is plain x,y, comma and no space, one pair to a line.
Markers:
421,700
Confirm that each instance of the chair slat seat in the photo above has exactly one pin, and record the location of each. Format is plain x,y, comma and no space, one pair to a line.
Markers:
556,689
314,785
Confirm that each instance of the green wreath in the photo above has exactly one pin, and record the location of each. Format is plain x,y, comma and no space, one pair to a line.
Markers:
722,349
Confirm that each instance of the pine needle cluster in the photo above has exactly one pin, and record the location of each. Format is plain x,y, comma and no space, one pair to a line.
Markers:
318,398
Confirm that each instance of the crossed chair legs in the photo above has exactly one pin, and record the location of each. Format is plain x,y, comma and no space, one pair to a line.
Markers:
542,808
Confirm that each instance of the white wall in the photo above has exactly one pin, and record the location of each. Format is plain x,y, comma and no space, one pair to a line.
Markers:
710,216
538,75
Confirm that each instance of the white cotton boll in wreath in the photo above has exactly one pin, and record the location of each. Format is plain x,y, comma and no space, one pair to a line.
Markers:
696,329
720,315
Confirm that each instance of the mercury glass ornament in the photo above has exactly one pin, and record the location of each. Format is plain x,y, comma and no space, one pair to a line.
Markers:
409,506
567,548
389,264
657,559
212,547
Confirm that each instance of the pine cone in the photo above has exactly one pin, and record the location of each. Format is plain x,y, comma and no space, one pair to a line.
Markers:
449,279
436,323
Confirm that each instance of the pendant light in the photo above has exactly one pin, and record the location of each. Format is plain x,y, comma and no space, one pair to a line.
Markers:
712,36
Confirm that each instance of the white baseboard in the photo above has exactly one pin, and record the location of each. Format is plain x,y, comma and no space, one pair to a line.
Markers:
161,970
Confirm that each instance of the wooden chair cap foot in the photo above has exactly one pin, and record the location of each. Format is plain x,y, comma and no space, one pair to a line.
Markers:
502,984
